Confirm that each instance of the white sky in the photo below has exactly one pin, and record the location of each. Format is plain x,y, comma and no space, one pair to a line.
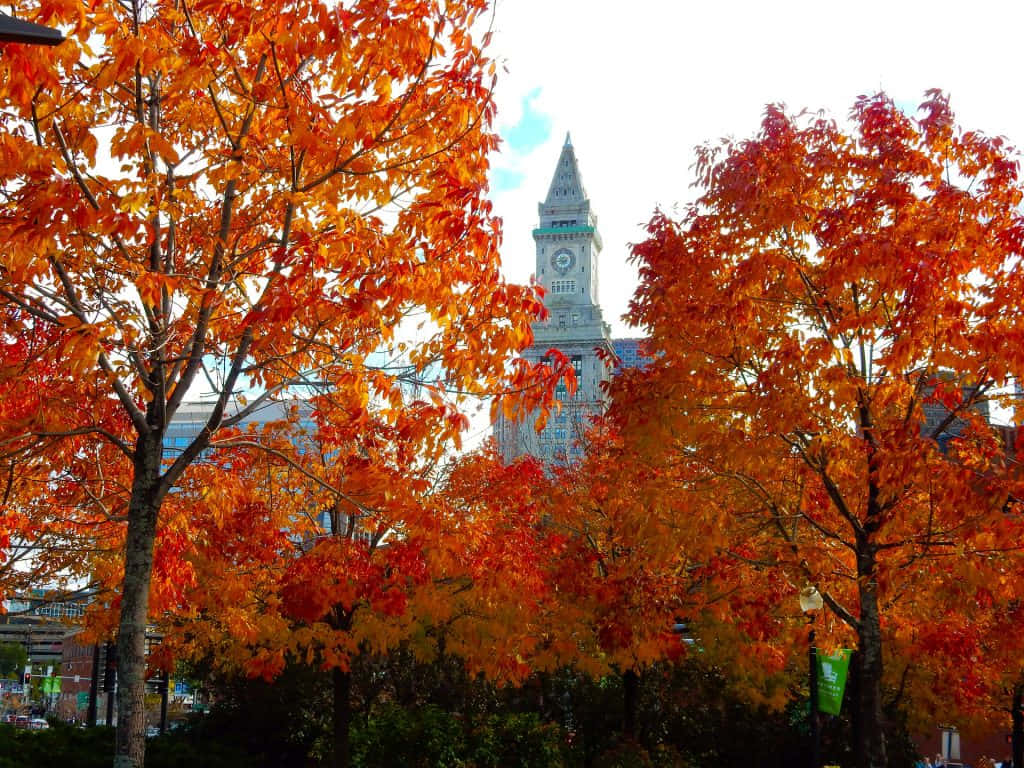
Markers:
640,83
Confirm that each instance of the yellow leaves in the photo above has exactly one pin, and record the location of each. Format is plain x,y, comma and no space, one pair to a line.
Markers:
151,286
81,346
135,203
382,86
139,139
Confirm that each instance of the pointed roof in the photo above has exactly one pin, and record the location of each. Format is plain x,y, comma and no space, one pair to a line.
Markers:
567,184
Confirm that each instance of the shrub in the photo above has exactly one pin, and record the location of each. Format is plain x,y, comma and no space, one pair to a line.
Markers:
426,737
516,741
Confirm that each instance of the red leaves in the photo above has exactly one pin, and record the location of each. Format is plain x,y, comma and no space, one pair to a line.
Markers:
829,326
341,574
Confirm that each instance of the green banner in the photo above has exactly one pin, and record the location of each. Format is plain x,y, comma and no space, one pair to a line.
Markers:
50,685
832,671
82,700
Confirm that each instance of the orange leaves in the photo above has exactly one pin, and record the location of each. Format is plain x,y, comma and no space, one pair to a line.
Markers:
829,327
296,206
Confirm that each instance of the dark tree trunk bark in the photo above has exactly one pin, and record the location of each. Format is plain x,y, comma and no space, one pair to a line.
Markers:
143,510
342,716
853,687
813,719
869,716
94,687
341,621
110,681
1017,715
630,699
165,681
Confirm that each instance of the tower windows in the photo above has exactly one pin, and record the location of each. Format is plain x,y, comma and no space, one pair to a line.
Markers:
563,286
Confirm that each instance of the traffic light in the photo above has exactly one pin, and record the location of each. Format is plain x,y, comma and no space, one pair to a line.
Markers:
26,678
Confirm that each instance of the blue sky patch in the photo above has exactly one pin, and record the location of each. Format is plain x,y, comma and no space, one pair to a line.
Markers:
504,179
533,128
907,106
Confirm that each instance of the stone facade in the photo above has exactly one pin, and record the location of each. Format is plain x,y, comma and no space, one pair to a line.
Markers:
568,246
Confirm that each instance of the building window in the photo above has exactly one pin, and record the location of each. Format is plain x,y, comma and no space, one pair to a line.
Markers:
563,286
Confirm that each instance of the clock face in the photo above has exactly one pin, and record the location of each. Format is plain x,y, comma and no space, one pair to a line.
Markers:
563,260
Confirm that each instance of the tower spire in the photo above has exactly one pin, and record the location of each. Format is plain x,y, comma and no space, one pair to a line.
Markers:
567,184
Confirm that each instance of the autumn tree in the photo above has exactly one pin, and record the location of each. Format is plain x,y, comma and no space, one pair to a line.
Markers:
832,322
241,200
444,560
640,580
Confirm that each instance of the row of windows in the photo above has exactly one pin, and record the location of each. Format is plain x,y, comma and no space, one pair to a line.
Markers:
59,610
563,286
564,320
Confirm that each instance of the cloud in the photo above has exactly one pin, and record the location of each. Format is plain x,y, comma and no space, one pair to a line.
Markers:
533,128
640,89
530,130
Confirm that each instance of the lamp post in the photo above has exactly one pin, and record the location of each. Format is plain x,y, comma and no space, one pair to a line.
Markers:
810,603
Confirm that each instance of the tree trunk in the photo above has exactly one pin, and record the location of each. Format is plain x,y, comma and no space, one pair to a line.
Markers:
342,716
853,696
94,687
630,698
1017,714
143,510
109,682
813,720
341,621
871,749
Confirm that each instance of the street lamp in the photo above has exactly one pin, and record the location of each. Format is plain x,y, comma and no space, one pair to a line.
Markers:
810,603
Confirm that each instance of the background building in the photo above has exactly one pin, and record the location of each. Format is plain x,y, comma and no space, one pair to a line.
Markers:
568,247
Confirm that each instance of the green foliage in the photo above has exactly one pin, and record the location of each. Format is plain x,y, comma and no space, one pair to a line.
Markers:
428,737
13,659
176,749
60,744
517,740
624,755
432,715
422,738
72,747
279,724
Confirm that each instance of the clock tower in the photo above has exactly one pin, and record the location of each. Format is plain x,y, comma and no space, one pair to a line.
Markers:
567,249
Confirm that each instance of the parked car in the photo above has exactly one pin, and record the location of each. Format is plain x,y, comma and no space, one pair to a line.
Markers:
38,724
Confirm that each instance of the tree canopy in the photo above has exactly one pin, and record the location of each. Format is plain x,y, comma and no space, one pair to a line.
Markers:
253,202
831,323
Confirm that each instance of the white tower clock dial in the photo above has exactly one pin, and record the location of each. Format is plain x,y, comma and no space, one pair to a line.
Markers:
563,260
